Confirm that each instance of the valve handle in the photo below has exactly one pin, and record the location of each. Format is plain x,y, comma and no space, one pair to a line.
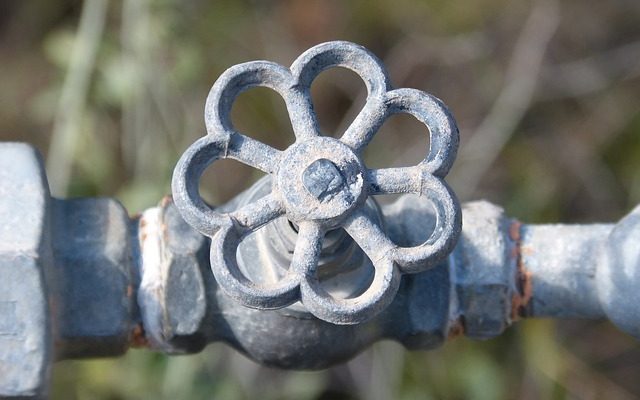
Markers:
320,183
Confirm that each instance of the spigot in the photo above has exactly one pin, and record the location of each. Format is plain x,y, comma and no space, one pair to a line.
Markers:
321,184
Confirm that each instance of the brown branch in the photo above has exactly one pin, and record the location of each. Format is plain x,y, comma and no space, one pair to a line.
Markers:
484,146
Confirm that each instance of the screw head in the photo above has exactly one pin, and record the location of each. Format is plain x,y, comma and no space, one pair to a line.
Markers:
322,179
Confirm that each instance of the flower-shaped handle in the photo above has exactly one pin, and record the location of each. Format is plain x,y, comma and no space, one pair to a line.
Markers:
320,183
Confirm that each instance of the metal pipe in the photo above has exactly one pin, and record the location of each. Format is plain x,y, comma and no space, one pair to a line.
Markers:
562,261
79,278
113,282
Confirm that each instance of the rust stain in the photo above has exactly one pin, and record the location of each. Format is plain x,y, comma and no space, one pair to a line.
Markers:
129,290
166,200
514,231
138,338
164,203
526,250
142,231
520,301
456,329
524,278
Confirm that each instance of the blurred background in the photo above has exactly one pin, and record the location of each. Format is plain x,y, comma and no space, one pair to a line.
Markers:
546,94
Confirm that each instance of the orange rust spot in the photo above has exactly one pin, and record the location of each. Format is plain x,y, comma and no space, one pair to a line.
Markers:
148,229
138,338
129,290
142,229
520,300
515,253
456,329
166,200
524,277
526,251
514,230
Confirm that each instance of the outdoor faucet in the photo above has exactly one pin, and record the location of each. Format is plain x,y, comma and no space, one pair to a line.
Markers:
305,268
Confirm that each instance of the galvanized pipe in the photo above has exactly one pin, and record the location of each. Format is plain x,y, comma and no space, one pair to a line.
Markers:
80,278
113,282
562,261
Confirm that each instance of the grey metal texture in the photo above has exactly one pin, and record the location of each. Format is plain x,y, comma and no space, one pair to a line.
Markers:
564,274
172,294
320,184
485,270
80,278
422,314
25,254
91,278
618,274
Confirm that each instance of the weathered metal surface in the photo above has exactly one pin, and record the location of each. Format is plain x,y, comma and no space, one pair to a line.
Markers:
78,278
25,253
291,337
172,295
92,284
485,268
618,274
115,282
562,261
320,184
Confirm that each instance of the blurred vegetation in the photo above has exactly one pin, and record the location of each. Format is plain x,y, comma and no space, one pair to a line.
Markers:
546,94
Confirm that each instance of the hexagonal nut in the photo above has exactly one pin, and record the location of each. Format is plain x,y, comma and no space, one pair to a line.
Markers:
485,269
25,254
428,301
92,286
427,294
172,296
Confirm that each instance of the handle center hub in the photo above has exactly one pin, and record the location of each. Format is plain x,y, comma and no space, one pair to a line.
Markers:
320,179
